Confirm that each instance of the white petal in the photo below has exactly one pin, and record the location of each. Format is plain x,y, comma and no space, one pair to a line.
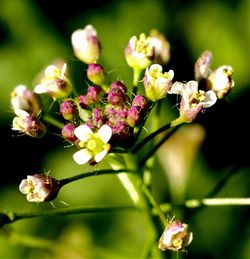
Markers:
78,40
170,74
63,71
177,88
192,87
82,132
82,156
105,133
100,156
210,99
39,89
21,113
156,67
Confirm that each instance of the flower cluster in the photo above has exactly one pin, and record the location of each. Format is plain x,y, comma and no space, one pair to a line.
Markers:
108,115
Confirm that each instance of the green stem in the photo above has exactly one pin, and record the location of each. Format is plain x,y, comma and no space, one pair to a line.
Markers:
93,173
136,79
155,148
197,203
152,135
155,205
53,121
11,217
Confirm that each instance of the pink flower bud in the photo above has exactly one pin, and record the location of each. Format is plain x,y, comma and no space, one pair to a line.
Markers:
118,85
68,132
140,100
96,74
134,116
116,96
68,109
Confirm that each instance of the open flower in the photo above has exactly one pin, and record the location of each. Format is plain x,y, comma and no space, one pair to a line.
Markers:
55,83
94,146
39,187
175,237
28,125
157,83
86,44
24,99
139,52
193,101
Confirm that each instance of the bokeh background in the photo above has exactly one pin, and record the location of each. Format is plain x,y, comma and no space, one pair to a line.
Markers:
33,34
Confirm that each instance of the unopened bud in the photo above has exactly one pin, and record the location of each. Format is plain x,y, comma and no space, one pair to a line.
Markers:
68,109
68,132
118,85
96,74
134,116
141,101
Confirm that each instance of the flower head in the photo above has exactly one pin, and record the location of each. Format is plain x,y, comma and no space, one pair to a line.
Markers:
86,44
55,83
175,237
161,47
220,81
24,99
39,187
193,101
94,146
156,82
139,52
28,125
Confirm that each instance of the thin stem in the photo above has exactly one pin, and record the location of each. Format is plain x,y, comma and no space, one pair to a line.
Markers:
197,203
136,79
53,121
155,148
94,173
155,205
152,135
14,216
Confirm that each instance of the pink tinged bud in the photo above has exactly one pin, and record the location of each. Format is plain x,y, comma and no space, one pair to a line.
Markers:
220,81
161,47
96,74
68,109
117,97
175,237
134,116
157,83
39,188
118,85
139,53
202,65
28,125
94,94
97,119
141,101
68,132
115,114
86,44
24,99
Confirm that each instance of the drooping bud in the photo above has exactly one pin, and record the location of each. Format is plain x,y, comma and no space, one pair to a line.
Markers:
175,237
96,74
39,188
28,125
161,47
68,132
68,109
55,83
86,44
221,81
24,99
157,83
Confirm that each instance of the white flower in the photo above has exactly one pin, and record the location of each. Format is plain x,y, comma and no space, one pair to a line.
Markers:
55,83
193,100
39,187
94,145
157,83
86,44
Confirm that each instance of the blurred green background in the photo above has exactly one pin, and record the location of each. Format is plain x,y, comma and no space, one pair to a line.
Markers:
35,33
